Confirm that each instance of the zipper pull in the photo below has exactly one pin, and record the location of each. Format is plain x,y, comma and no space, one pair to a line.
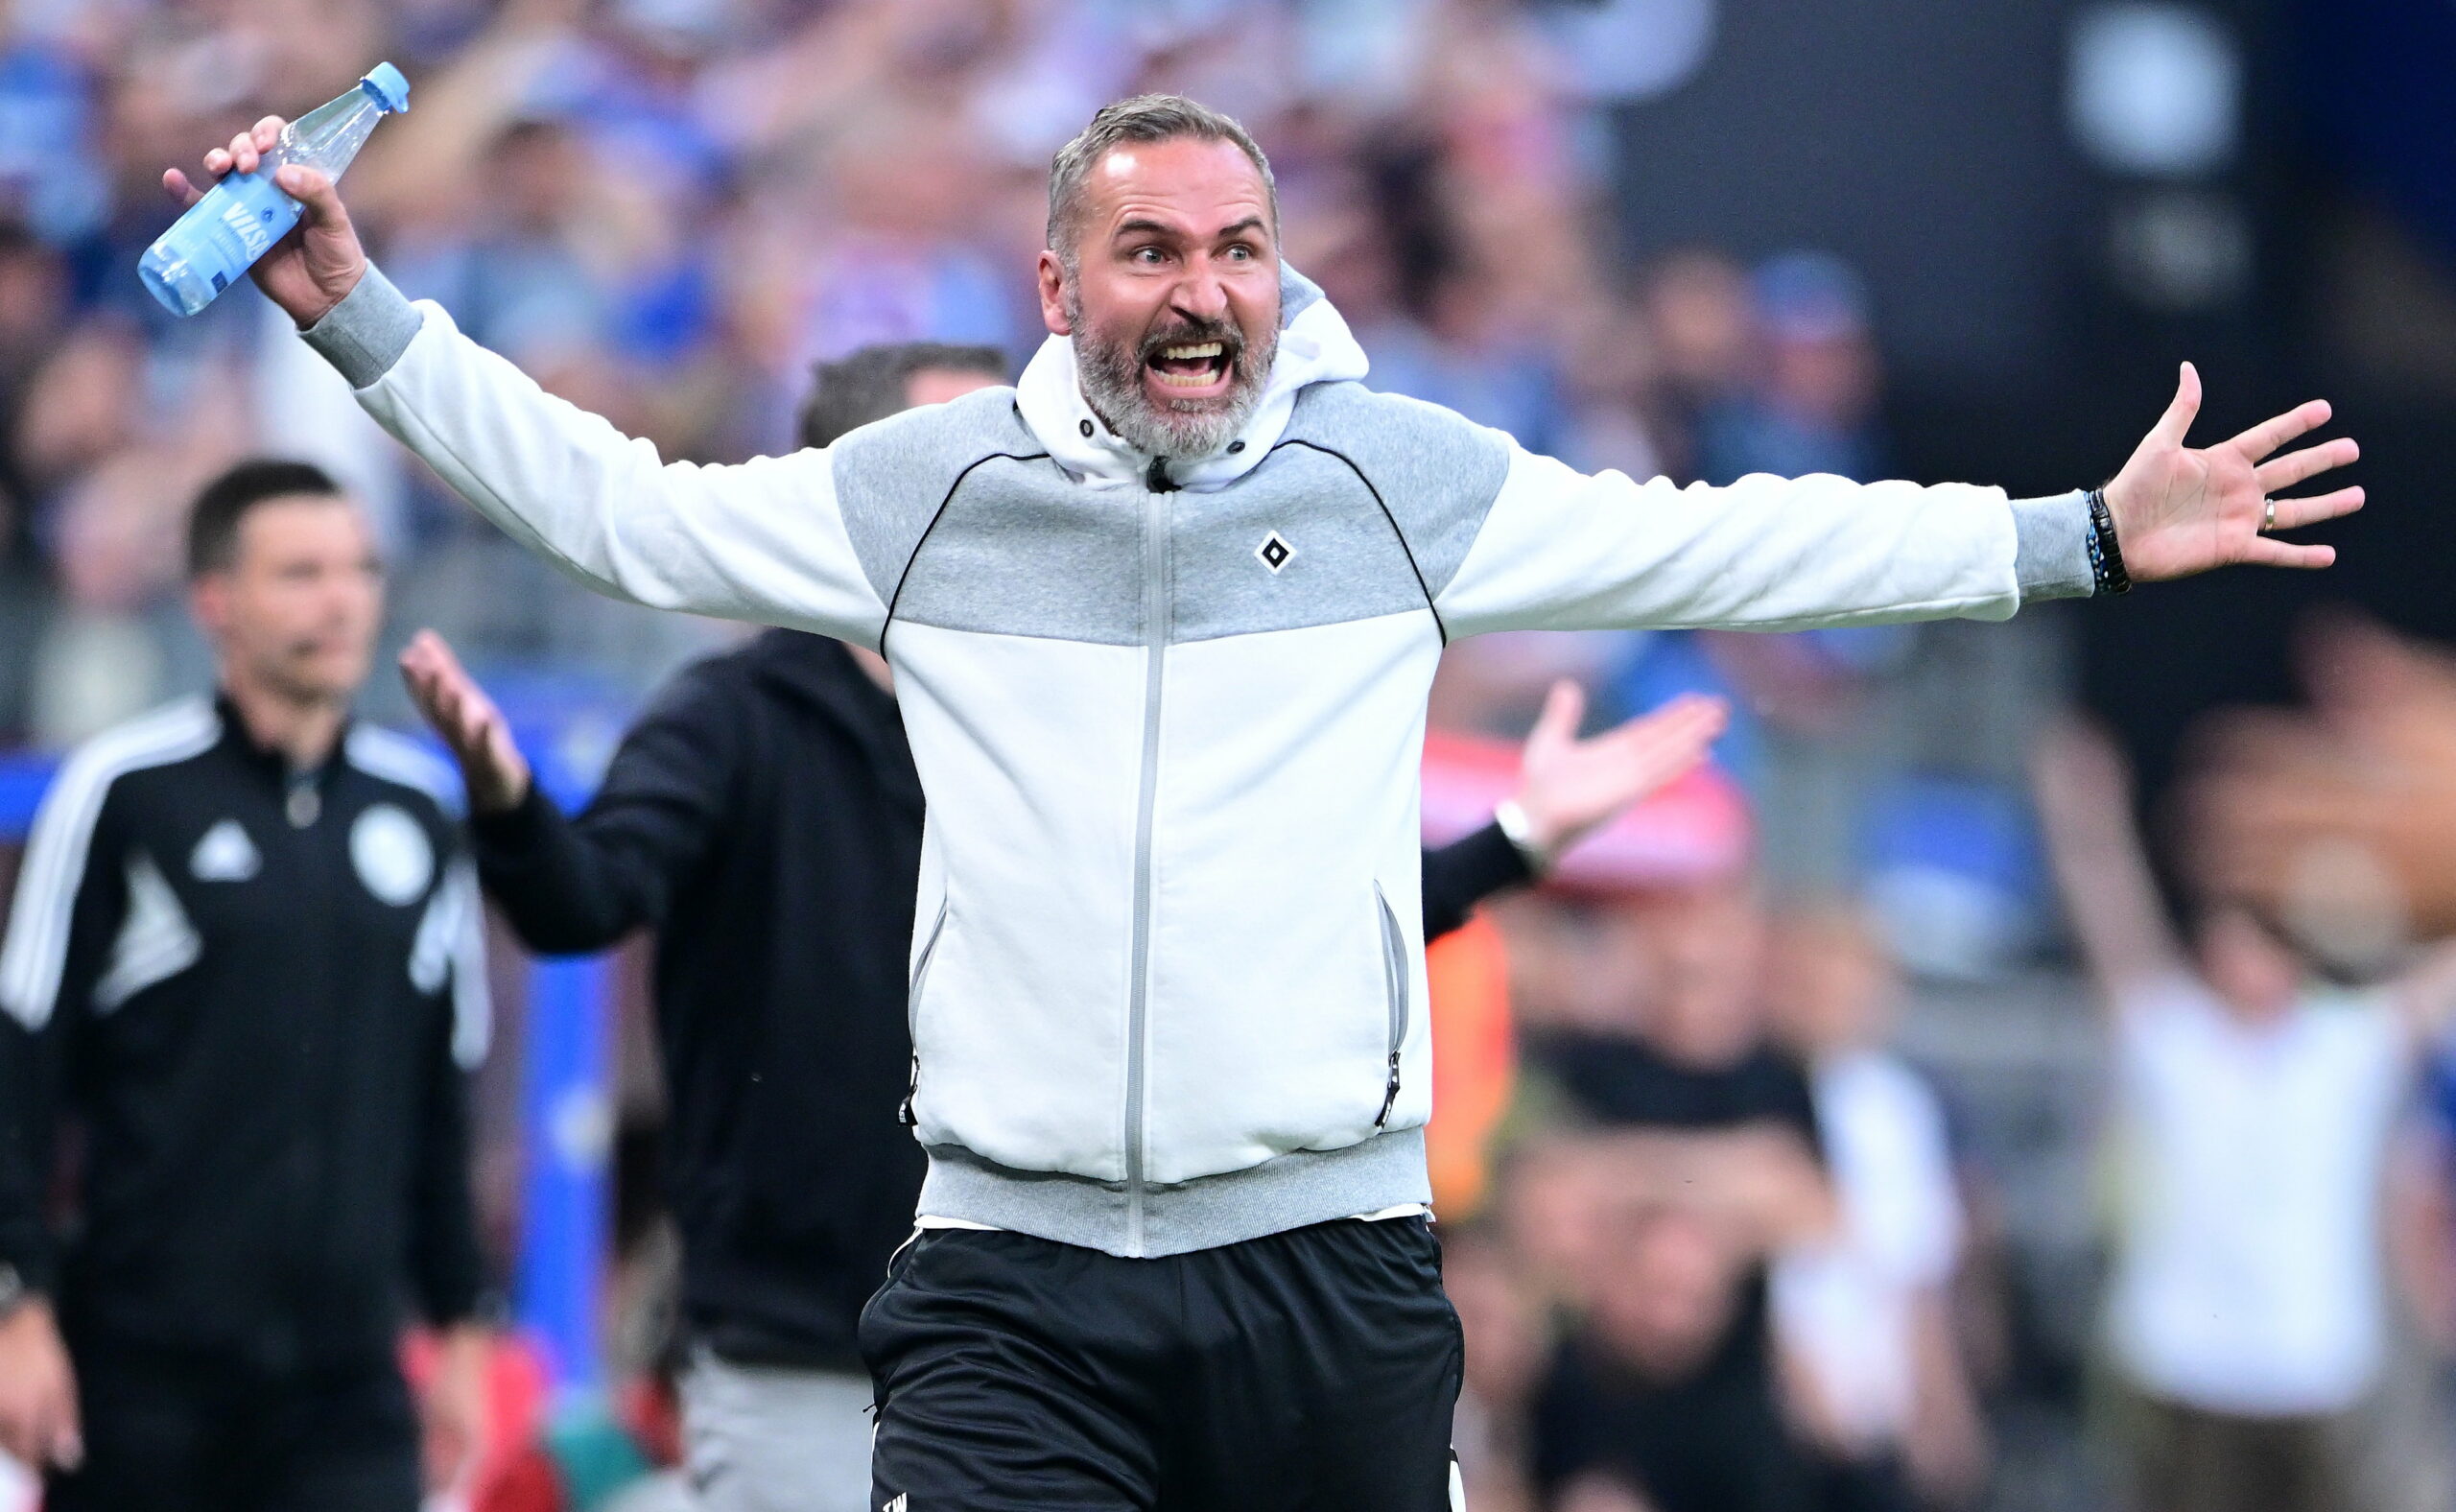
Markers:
911,1090
1157,479
1389,1098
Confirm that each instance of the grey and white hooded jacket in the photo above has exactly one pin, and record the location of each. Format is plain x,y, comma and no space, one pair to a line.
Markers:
1167,988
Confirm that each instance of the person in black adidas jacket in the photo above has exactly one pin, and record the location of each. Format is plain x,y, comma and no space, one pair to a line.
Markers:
764,816
245,958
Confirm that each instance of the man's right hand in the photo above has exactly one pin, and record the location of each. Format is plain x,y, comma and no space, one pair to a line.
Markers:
38,1420
320,260
492,767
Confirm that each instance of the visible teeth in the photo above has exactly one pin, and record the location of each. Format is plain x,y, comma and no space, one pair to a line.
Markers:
1184,380
1186,354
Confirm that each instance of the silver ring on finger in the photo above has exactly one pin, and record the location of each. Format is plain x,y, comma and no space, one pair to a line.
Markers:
2268,516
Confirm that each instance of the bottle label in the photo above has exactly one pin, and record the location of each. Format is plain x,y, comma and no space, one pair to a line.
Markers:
250,220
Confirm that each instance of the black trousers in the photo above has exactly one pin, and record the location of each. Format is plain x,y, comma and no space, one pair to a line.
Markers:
1312,1370
172,1433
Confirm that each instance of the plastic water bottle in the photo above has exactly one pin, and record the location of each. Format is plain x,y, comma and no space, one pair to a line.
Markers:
239,218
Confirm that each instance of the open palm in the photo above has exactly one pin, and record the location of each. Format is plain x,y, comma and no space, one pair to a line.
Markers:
1569,786
2179,511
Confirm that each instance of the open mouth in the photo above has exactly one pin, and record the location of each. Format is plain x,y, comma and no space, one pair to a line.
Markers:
1190,366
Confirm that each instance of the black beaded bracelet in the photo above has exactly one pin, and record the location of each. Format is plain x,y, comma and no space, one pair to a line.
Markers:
2106,553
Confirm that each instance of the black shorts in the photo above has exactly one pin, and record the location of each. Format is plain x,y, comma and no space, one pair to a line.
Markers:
172,1433
1311,1369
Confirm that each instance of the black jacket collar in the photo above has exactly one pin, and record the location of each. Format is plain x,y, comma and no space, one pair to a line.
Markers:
275,763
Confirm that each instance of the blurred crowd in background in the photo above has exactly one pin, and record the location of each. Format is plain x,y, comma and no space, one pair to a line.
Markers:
1803,1174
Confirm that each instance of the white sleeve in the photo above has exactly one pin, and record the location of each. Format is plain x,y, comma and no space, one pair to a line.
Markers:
1561,550
763,541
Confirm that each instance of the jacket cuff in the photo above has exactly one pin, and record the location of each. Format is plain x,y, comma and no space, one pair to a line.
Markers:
366,333
2051,553
514,833
1490,861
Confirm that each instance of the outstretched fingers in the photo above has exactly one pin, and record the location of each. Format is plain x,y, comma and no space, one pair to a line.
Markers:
1564,706
1669,741
2269,434
2267,550
2292,514
2176,423
2279,473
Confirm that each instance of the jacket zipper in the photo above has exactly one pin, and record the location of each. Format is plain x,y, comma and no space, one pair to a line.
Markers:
1155,643
913,1011
1394,980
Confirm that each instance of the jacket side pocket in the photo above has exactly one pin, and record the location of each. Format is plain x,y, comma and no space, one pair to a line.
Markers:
1394,977
912,1009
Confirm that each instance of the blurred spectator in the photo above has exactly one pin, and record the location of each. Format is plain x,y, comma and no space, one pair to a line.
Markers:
1644,1403
2359,796
105,655
33,306
2249,1316
1811,408
1704,1159
1697,305
1864,1321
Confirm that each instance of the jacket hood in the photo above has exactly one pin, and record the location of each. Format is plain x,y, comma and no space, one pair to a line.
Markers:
1314,347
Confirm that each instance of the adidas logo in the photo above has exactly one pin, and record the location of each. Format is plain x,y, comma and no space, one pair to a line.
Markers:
225,854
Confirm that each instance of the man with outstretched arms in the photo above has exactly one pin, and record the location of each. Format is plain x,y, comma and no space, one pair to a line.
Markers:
1163,618
765,819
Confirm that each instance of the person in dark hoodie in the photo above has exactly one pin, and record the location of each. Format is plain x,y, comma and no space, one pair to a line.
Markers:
764,818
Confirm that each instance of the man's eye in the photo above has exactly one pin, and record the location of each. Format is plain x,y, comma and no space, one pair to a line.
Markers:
1240,253
1150,256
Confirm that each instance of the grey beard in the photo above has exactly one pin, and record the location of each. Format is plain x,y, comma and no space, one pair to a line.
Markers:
1112,379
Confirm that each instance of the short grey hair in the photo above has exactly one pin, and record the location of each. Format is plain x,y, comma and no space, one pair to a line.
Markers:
1144,118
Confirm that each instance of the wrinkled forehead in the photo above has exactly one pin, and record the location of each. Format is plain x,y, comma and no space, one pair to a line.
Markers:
1191,186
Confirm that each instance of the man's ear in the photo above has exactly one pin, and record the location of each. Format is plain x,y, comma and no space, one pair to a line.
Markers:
1052,295
209,600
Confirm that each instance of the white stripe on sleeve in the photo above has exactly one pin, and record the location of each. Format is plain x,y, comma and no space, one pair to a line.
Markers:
64,834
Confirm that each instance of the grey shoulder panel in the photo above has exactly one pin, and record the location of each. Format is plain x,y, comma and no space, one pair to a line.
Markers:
893,476
1435,471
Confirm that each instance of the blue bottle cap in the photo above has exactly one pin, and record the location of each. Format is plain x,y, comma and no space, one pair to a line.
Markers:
385,83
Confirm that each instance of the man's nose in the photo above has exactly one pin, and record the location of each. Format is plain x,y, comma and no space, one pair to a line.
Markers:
1202,296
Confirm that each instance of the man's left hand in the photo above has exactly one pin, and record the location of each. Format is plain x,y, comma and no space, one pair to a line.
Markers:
2179,511
1568,788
